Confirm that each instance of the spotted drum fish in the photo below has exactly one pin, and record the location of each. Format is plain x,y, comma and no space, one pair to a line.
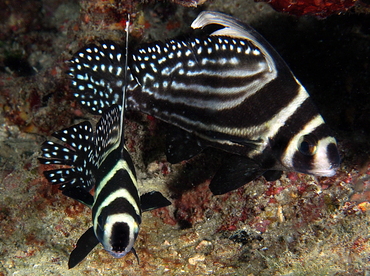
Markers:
100,161
227,89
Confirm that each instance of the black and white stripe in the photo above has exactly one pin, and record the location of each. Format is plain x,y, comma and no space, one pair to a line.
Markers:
116,207
230,88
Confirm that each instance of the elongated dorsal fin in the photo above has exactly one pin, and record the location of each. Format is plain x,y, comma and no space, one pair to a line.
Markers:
234,28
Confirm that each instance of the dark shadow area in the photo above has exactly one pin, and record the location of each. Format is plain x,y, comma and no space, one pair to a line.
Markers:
194,171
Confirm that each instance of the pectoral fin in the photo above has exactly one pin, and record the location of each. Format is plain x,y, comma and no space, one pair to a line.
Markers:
84,245
272,175
234,173
153,200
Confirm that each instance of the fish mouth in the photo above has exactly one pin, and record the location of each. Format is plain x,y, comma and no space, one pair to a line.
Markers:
117,254
327,173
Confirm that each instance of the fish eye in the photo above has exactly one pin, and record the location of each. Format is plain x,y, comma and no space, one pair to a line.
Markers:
307,144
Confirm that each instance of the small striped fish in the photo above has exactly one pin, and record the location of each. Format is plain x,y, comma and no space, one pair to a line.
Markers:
100,161
227,89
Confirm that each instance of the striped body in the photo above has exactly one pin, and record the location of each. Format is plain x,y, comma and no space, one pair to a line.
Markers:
116,211
229,89
100,160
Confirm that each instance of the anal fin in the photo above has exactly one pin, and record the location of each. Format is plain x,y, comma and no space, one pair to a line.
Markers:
181,145
153,200
84,245
235,171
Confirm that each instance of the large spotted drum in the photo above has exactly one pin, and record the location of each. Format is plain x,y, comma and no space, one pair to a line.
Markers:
225,88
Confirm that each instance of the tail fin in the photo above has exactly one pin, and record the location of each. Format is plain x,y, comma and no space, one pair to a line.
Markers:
97,72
